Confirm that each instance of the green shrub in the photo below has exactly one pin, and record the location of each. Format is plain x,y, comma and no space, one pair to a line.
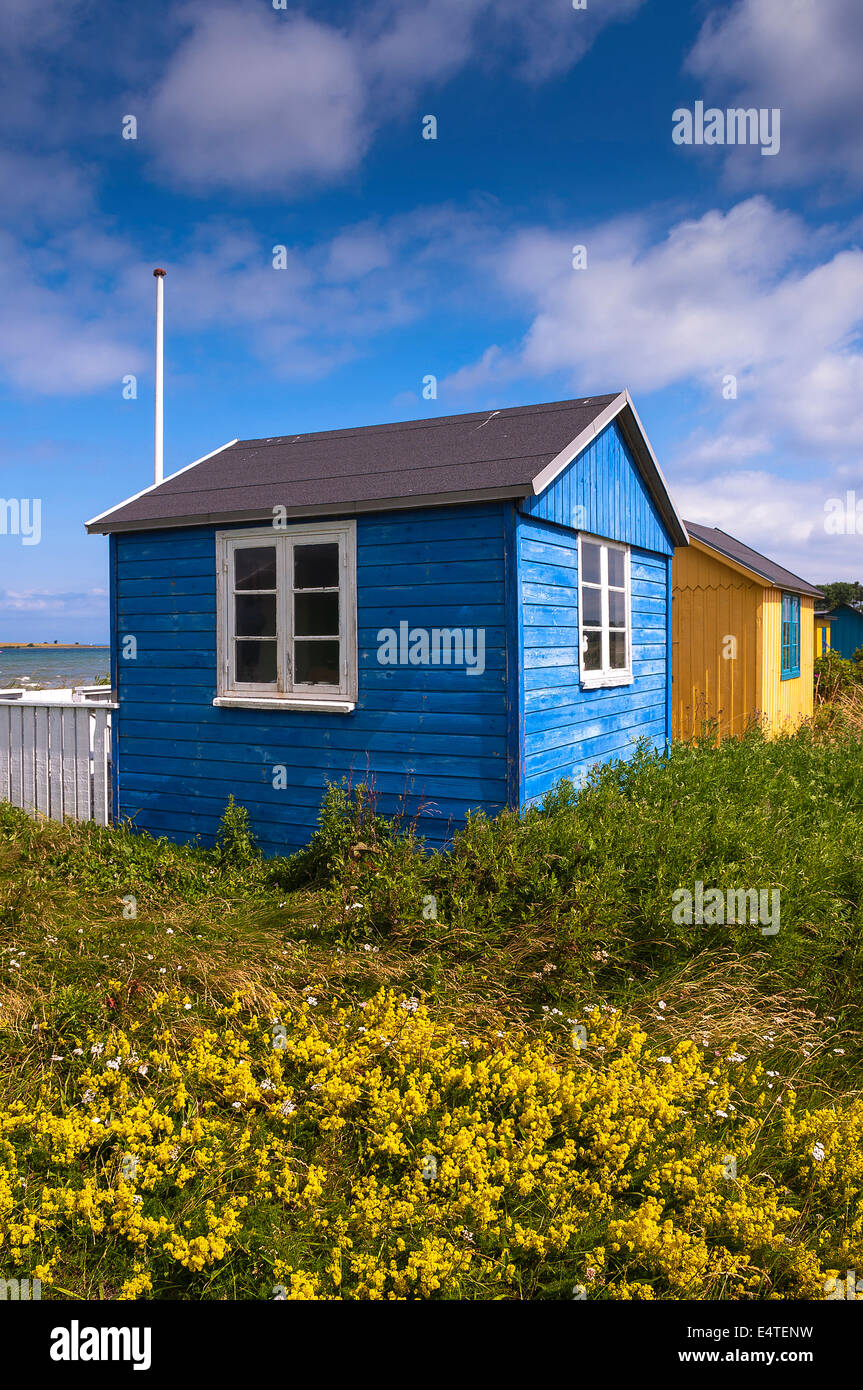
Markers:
835,675
591,874
369,868
234,840
119,859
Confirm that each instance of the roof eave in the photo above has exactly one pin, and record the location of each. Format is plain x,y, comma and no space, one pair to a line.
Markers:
376,504
92,526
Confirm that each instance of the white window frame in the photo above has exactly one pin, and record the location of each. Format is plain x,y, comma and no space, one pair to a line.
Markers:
284,693
607,676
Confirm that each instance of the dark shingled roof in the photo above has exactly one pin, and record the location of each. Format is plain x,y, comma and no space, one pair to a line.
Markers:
454,458
724,544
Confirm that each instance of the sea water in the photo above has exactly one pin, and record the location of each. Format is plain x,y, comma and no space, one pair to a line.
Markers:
52,667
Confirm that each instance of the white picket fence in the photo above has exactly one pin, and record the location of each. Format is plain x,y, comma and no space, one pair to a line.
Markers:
55,759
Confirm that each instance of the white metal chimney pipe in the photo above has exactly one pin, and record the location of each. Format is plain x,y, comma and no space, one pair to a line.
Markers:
159,415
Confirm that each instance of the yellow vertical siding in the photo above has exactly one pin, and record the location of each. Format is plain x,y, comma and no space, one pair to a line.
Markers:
711,603
785,703
822,637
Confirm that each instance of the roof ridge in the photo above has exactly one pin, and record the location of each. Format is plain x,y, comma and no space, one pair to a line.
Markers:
271,440
512,452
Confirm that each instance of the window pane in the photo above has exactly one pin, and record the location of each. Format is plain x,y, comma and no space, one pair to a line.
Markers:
256,663
616,568
316,566
590,560
591,655
255,615
316,663
316,615
617,608
255,567
790,634
591,607
617,650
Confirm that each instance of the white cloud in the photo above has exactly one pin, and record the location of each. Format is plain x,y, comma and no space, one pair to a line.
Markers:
357,252
53,601
739,293
255,100
31,24
710,450
332,299
781,517
258,100
78,311
32,34
63,332
430,40
803,56
42,189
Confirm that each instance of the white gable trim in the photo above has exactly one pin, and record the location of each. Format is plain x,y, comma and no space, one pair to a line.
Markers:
145,490
655,462
570,451
640,445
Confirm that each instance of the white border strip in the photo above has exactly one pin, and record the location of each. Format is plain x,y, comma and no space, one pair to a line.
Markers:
153,486
570,451
567,455
659,473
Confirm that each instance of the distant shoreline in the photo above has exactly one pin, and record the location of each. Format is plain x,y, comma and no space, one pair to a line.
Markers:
56,646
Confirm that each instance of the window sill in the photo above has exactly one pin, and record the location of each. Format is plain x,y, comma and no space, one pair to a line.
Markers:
285,703
789,676
604,682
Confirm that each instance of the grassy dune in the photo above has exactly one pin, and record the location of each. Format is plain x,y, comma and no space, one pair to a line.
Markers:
503,1072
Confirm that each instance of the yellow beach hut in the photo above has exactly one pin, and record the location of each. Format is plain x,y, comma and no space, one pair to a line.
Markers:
743,635
823,620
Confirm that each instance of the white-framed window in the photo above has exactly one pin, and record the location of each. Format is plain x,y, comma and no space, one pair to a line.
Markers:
287,616
604,612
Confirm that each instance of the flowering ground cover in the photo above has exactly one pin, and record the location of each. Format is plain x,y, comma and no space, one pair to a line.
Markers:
358,1075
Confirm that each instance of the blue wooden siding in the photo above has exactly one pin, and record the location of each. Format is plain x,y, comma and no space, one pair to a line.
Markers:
603,492
567,729
846,631
112,614
432,739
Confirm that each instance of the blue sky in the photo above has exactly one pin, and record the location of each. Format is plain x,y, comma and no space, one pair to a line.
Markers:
260,127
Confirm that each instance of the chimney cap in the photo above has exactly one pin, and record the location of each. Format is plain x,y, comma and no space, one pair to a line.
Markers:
159,272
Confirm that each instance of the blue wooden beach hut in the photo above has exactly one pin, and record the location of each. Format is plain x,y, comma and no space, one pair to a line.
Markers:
460,611
846,629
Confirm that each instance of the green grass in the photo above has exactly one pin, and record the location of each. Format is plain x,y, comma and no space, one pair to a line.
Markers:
566,904
543,908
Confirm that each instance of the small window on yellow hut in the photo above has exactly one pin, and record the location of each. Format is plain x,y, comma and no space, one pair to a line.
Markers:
790,636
